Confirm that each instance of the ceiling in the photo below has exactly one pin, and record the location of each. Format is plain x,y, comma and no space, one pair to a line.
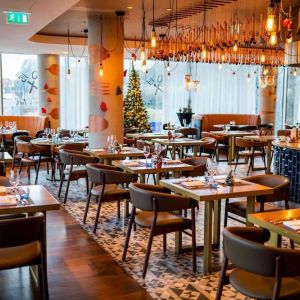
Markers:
50,20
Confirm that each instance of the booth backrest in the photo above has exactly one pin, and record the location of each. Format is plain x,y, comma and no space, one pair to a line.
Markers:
30,123
209,120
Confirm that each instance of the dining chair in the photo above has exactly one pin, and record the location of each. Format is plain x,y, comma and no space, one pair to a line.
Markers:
73,165
278,183
23,243
199,164
155,211
266,129
18,155
107,185
33,155
221,145
249,149
188,132
9,144
260,272
284,132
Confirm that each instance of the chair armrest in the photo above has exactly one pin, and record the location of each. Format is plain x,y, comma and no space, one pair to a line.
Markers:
254,234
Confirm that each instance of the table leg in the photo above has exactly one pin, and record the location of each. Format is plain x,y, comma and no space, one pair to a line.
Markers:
250,208
269,158
157,177
196,148
217,222
207,236
173,152
181,151
231,150
142,178
274,238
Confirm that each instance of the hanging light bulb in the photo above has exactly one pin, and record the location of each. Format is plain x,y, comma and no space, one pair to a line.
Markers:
101,72
204,52
153,38
289,37
223,57
271,22
248,77
262,58
168,67
220,66
143,53
69,74
187,81
235,47
273,38
144,66
196,84
295,72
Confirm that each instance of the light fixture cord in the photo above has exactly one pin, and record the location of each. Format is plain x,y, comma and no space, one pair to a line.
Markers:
153,15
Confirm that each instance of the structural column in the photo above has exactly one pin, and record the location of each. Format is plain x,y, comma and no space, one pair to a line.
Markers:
106,46
267,103
49,96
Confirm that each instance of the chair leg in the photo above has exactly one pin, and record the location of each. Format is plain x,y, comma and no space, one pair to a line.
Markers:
148,252
194,240
67,190
119,209
237,158
128,233
222,278
97,215
250,164
226,213
38,169
165,243
87,206
87,185
43,278
61,184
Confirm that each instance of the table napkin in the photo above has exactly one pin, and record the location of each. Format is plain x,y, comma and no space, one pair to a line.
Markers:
131,163
294,224
172,162
192,184
8,201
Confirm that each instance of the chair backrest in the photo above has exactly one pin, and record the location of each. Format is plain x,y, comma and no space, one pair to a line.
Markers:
187,131
248,127
279,183
72,146
72,157
153,198
248,143
104,174
199,164
242,249
284,132
18,133
20,231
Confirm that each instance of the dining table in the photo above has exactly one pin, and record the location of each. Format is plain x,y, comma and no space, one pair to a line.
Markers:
146,136
107,156
140,168
51,143
180,143
196,188
268,139
280,223
231,135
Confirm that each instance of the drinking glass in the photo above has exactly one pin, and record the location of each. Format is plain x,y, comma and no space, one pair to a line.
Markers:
157,148
146,151
14,179
211,167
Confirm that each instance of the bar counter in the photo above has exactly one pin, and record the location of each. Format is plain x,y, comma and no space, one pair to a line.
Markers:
287,163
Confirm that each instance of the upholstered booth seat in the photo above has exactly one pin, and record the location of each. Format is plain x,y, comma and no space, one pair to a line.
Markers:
30,123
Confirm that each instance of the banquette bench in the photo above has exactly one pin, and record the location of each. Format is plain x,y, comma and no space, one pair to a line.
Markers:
206,122
30,123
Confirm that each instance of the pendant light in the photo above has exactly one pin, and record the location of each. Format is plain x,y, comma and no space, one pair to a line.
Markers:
153,33
101,71
68,62
271,19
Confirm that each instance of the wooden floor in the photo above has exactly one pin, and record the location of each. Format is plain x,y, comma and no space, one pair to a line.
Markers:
78,268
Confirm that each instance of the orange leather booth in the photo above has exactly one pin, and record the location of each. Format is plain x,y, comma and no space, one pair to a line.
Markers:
206,122
30,123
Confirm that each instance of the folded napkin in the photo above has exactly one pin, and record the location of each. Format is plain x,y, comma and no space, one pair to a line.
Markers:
131,163
2,189
172,162
8,201
294,224
98,150
128,149
191,184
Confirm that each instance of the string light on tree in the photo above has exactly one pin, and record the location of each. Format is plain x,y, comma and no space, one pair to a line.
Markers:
273,38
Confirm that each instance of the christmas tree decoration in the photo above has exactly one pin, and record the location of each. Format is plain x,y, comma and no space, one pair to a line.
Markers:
229,181
43,110
103,106
135,113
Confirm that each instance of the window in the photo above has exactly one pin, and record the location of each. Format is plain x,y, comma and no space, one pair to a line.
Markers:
19,84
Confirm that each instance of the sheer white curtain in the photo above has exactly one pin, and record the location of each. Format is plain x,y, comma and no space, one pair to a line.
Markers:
74,93
231,89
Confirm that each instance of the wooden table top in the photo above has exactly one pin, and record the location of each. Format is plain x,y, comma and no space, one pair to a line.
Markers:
233,133
126,152
47,142
273,221
205,193
230,125
179,142
289,145
42,200
142,169
147,136
6,157
263,138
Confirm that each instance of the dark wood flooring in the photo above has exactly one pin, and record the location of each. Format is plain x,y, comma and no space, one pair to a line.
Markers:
78,268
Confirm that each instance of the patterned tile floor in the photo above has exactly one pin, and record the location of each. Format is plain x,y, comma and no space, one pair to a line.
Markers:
169,276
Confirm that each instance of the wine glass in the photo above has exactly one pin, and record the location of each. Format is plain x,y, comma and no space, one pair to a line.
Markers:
211,167
157,148
146,151
14,179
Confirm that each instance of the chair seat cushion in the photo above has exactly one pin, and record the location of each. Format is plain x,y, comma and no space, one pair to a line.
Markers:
239,208
249,154
145,219
76,169
20,255
111,190
261,287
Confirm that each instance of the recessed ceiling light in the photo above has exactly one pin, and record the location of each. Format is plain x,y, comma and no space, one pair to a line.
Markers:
129,7
169,9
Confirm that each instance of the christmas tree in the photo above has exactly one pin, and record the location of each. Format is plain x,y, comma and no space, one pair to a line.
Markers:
135,113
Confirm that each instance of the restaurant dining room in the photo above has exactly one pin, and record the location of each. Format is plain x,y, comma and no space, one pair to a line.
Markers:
151,144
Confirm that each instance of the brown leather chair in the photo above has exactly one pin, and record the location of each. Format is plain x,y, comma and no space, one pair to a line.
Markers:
284,132
129,142
261,272
248,150
156,214
279,183
73,165
18,155
221,145
9,144
23,243
207,148
199,164
105,187
188,132
29,152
